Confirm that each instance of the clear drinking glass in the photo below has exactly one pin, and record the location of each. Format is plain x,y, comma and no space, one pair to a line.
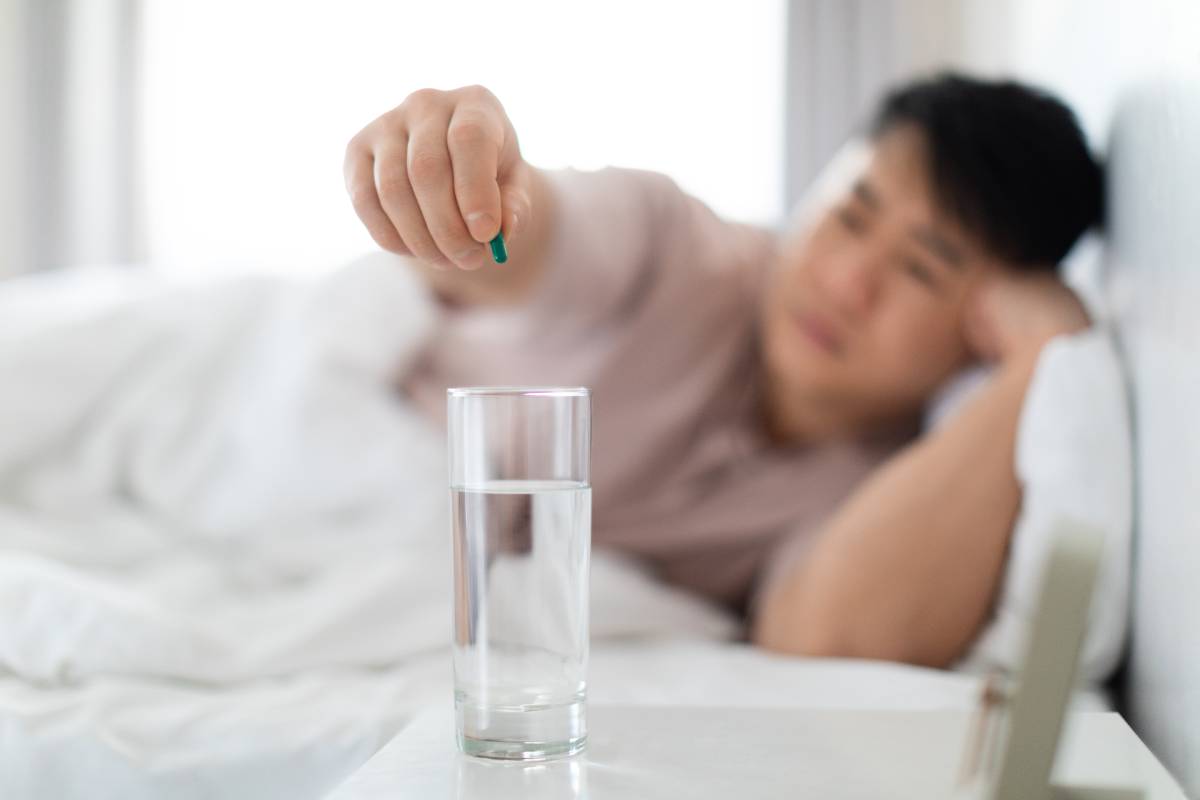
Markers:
522,511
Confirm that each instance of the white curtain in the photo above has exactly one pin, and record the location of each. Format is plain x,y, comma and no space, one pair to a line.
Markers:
68,82
12,178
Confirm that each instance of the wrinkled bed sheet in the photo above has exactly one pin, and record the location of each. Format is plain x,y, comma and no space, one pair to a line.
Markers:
224,569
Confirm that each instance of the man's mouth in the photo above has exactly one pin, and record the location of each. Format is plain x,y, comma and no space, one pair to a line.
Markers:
819,331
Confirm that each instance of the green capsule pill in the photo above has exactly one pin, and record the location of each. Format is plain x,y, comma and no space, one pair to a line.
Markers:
499,251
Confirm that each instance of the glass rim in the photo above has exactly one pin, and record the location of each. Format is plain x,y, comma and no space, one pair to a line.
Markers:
518,391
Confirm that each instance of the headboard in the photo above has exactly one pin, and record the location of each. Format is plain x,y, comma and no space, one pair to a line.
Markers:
1152,279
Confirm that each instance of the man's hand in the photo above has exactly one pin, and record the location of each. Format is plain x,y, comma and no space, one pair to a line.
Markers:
437,176
1015,315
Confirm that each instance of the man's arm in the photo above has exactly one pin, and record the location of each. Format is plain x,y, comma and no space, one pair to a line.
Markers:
907,568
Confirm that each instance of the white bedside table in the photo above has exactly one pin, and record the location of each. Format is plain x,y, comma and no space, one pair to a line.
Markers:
648,752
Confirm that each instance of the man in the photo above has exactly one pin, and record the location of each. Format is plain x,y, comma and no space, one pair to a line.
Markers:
745,382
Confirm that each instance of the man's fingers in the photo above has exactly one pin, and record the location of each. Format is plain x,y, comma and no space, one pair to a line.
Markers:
474,138
400,204
432,177
359,172
439,176
516,204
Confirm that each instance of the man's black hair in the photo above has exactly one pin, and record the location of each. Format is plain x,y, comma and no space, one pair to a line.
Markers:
1008,162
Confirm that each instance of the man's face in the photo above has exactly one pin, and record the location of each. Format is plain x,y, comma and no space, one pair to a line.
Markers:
863,316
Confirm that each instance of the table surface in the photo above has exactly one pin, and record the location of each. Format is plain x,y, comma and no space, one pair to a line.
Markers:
671,752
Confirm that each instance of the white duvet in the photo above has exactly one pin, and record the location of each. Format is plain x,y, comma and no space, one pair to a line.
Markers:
224,565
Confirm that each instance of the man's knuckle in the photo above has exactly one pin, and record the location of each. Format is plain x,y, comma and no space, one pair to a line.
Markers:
356,149
362,195
475,91
422,99
426,167
423,247
471,192
385,237
442,234
393,183
469,133
428,253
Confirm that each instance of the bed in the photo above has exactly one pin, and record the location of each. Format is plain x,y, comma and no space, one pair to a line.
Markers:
274,606
279,696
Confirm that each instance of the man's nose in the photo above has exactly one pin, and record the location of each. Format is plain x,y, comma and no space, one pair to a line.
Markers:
852,284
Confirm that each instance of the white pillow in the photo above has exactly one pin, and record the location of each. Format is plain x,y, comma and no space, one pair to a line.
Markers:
1073,459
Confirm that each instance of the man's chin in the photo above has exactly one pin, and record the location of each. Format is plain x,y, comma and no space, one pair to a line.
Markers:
848,409
818,377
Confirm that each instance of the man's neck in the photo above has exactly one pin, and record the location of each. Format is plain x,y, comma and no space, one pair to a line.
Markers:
789,420
793,417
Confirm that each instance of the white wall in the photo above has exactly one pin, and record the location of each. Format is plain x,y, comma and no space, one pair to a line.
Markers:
1088,51
249,105
842,53
1091,52
1153,270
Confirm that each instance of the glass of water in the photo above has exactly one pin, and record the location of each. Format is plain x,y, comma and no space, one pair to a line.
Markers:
522,510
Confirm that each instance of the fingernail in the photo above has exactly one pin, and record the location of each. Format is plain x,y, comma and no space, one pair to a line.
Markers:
470,259
482,224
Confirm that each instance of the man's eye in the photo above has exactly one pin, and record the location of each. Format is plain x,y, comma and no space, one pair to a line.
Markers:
851,220
919,272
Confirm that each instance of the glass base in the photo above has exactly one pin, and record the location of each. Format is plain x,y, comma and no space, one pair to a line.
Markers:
520,751
531,732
